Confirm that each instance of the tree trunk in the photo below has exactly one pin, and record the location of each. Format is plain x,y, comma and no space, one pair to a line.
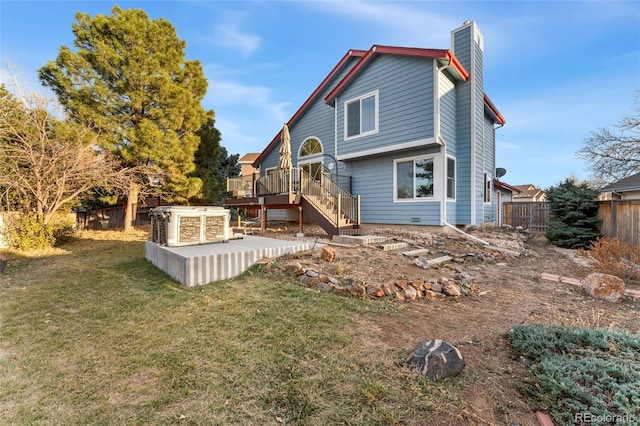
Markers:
132,206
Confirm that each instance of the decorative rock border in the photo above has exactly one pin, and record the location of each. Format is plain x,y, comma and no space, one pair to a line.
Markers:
459,284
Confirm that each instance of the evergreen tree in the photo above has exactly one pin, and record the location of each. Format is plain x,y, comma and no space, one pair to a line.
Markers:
574,215
128,79
213,165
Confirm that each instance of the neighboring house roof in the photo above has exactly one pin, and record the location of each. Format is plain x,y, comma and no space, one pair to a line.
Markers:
630,183
506,186
443,56
248,158
528,191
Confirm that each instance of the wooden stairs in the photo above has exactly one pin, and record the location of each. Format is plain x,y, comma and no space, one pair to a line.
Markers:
332,207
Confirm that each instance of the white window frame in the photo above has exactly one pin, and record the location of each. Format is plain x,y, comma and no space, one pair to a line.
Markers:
395,179
487,188
455,178
317,154
376,113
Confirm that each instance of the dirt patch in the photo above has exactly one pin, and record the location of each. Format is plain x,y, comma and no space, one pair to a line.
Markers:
510,292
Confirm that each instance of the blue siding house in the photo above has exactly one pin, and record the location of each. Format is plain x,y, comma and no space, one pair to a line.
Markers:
393,135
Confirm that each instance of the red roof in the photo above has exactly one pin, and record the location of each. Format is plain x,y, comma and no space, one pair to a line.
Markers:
442,54
499,118
506,186
350,54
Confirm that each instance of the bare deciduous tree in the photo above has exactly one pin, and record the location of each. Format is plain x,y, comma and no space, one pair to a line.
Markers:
47,160
613,155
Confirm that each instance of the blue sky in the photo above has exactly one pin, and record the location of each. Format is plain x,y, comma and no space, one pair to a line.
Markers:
556,70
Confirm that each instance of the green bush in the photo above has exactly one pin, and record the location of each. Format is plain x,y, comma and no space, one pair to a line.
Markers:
64,229
574,215
28,232
578,372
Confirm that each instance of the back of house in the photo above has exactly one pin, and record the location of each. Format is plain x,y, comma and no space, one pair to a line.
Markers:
410,129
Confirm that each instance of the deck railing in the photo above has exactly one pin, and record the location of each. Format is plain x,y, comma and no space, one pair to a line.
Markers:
279,181
242,186
327,195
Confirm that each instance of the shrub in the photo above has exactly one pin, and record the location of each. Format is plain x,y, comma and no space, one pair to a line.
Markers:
577,371
574,215
614,257
28,232
64,229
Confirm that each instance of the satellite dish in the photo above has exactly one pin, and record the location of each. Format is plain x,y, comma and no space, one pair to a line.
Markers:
500,172
330,166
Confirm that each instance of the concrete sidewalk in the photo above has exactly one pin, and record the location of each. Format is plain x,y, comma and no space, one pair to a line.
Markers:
205,263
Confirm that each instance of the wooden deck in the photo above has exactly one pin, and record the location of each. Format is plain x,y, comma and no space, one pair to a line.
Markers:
324,201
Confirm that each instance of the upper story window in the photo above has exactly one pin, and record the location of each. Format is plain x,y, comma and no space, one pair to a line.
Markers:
361,115
414,178
310,146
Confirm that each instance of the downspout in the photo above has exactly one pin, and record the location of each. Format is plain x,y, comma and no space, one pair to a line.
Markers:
436,83
465,234
335,131
444,210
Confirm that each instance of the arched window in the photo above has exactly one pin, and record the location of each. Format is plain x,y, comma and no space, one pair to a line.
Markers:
310,159
311,146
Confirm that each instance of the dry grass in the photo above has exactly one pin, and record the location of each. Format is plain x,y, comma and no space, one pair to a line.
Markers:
93,334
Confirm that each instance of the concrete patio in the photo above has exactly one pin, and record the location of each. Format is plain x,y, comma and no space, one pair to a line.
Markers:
202,264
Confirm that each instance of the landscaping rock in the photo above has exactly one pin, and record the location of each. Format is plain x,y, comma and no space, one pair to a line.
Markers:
357,290
434,295
296,267
328,254
410,293
452,289
604,286
421,262
435,359
374,290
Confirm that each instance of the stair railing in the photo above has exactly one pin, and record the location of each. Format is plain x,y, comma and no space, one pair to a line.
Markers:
329,198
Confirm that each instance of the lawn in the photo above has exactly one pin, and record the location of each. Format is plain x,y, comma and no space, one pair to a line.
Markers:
91,333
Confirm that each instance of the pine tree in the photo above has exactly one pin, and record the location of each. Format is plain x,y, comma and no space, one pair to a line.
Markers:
574,215
213,165
128,79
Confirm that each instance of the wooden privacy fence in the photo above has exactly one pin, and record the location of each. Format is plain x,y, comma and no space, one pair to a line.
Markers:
533,216
620,219
109,218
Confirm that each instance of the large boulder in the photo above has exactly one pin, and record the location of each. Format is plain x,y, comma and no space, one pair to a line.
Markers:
435,359
604,286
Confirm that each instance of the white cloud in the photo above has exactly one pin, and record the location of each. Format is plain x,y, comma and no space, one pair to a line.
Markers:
230,93
234,102
229,36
